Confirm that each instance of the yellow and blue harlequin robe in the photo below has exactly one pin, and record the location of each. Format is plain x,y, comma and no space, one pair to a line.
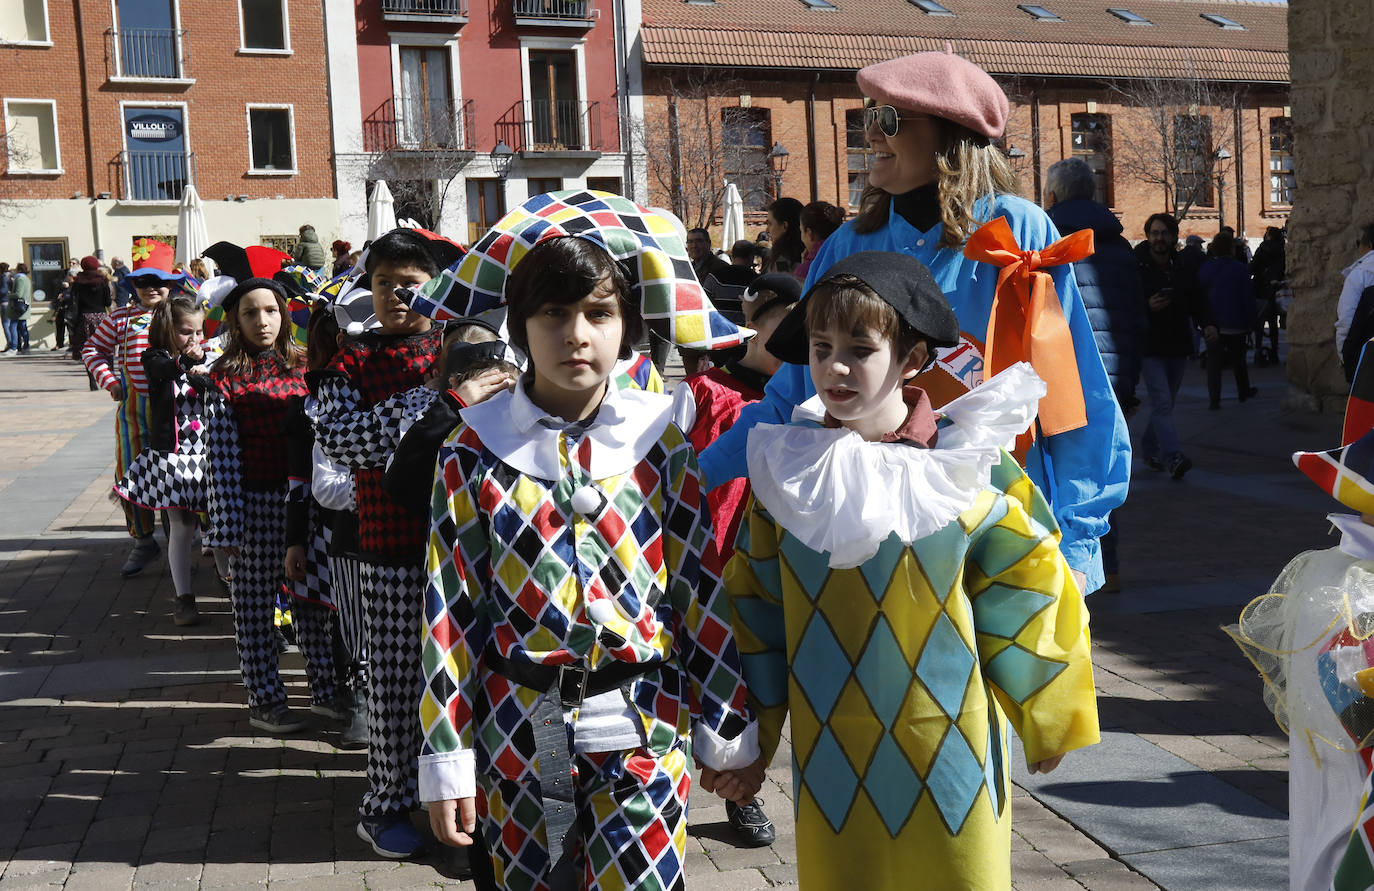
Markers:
515,566
900,676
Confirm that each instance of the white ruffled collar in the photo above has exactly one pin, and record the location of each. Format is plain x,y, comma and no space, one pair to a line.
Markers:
627,424
842,496
1357,536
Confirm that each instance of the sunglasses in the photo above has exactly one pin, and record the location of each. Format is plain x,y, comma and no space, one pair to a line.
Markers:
147,281
888,118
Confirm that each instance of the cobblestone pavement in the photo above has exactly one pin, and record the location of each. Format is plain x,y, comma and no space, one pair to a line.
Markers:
126,758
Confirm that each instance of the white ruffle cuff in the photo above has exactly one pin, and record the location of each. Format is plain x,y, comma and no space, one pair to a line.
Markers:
448,776
719,753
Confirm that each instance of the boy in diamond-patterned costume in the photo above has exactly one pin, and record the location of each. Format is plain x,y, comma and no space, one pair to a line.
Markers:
575,628
898,589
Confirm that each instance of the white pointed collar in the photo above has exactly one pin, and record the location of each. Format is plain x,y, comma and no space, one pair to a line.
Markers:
627,424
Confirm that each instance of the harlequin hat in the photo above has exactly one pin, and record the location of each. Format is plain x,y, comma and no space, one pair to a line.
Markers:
901,281
256,266
645,245
940,84
152,257
1347,473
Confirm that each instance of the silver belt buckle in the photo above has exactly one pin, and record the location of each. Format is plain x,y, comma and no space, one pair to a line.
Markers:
572,684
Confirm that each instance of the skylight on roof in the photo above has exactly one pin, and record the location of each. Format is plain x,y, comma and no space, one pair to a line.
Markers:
1129,17
930,7
1039,12
818,4
1222,21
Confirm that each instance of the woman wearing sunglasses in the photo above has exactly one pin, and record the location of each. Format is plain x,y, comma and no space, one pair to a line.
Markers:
936,177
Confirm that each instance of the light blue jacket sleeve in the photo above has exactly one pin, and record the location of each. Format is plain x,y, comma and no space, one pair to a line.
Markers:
1084,472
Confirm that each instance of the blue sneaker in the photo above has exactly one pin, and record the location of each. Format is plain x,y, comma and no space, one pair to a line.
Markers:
391,837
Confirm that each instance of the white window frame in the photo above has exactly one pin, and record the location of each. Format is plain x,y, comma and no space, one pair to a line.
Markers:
47,31
285,30
122,78
577,45
291,127
56,140
185,138
400,39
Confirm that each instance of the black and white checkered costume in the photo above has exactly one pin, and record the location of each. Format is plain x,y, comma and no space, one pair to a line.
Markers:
393,600
254,521
159,479
392,596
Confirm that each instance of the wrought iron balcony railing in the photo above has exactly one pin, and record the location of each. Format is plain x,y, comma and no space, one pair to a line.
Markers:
156,176
557,12
416,126
154,53
560,125
437,10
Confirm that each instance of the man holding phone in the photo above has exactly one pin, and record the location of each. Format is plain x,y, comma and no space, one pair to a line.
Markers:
1174,305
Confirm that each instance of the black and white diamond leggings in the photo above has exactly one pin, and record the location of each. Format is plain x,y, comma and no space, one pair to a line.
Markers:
393,603
257,580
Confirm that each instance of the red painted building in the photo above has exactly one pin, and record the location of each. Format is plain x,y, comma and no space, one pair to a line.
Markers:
441,85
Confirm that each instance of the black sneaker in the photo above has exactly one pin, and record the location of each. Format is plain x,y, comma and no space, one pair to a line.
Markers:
354,734
750,823
276,718
145,551
1180,465
338,708
184,611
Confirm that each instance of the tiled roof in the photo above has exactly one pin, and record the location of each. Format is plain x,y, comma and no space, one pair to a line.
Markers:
1089,42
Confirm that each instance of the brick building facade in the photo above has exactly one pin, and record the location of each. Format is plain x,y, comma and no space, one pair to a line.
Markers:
111,109
777,81
438,86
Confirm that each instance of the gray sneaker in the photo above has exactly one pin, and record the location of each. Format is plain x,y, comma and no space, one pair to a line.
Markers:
275,718
184,611
337,708
145,551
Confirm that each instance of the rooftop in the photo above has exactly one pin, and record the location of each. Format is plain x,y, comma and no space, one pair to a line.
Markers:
1176,38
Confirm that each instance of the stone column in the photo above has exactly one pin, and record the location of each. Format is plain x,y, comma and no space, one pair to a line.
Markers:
1331,54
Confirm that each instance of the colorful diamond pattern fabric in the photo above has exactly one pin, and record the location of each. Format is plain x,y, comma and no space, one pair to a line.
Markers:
513,567
673,303
899,673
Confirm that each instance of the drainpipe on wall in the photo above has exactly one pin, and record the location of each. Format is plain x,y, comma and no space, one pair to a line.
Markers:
811,136
1035,141
1240,171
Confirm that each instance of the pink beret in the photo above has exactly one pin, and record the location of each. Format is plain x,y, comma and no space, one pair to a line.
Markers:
940,84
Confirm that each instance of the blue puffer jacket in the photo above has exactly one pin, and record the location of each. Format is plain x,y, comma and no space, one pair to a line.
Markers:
1110,283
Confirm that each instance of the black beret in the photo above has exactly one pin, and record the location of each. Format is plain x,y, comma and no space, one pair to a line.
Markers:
900,281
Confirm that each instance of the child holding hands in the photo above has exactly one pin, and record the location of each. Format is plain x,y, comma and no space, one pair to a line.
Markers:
898,588
575,627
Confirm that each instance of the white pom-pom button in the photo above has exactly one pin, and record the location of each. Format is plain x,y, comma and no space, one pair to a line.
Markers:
585,501
601,611
354,329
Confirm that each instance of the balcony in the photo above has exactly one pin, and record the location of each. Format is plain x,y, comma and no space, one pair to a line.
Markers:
554,13
425,11
155,176
564,128
147,54
410,126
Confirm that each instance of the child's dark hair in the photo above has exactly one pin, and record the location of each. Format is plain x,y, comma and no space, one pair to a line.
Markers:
162,328
401,247
563,271
321,337
846,302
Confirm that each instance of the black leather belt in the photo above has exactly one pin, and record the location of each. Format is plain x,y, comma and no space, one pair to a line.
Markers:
574,682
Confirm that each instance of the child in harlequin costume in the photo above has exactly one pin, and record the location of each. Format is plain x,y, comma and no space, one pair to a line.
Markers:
366,371
575,630
1310,637
170,473
113,356
258,375
893,593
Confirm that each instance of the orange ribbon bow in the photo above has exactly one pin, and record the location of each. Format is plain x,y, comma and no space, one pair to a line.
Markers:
1027,322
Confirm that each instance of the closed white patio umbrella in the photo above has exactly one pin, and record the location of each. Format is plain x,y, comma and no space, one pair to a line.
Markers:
381,211
192,236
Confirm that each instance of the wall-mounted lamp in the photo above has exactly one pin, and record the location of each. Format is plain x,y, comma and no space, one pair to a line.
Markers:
241,198
502,157
228,197
104,196
1015,153
76,195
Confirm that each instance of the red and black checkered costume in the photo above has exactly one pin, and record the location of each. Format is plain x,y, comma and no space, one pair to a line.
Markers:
357,424
246,462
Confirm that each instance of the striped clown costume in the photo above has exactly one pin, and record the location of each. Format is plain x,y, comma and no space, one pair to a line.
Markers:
576,545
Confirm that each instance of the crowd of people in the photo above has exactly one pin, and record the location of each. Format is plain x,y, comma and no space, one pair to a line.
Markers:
537,589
